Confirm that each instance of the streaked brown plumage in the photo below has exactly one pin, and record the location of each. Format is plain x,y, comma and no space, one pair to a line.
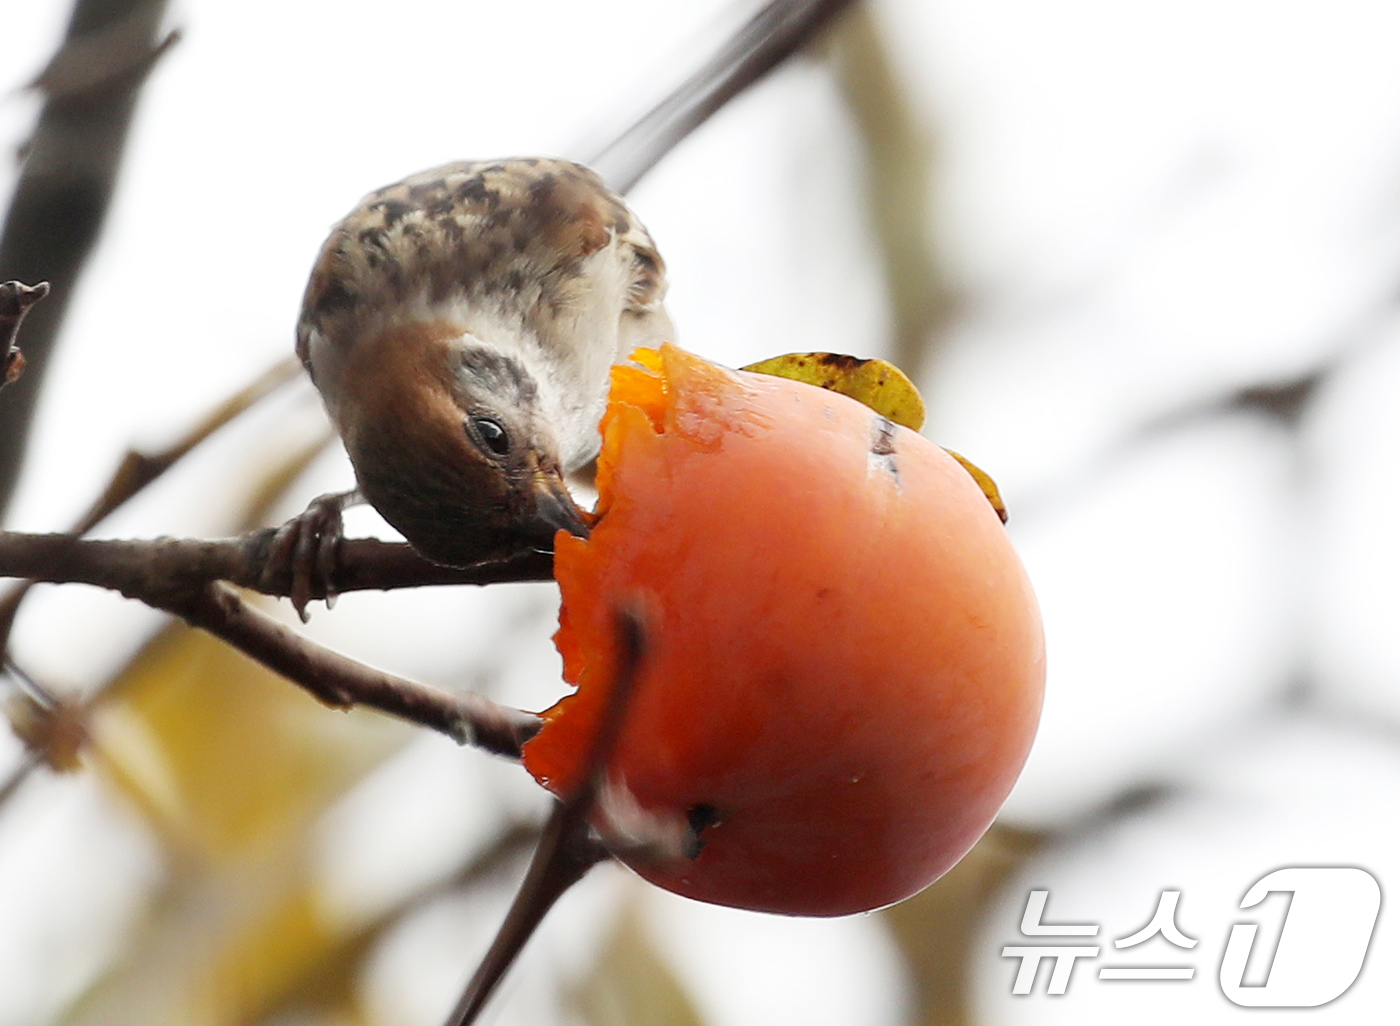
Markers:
460,326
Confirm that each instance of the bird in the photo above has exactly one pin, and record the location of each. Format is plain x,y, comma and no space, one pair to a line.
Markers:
461,326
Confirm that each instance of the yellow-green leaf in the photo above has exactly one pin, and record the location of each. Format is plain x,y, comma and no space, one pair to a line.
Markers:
632,985
878,384
984,481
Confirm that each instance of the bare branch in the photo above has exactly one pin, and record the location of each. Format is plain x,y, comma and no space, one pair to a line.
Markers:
160,571
185,576
138,469
70,171
52,727
568,848
182,576
12,783
321,981
775,33
342,683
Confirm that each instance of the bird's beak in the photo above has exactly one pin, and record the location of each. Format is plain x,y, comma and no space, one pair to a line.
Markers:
555,509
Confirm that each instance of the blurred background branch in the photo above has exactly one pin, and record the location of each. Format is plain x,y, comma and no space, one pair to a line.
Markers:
71,163
777,31
899,168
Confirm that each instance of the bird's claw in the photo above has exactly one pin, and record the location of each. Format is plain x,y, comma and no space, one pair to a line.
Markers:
308,547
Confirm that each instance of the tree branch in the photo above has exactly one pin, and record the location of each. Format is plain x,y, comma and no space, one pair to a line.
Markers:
162,570
184,577
342,683
139,469
70,171
771,36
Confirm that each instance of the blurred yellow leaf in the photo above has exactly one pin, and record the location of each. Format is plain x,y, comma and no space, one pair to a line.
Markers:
632,985
233,767
262,964
221,752
878,384
935,928
227,945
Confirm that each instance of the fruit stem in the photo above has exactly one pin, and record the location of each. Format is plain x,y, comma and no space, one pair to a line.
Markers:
567,849
565,854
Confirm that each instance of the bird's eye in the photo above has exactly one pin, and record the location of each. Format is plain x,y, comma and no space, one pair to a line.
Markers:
489,436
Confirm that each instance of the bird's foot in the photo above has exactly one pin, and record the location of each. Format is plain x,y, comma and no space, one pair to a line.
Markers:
308,547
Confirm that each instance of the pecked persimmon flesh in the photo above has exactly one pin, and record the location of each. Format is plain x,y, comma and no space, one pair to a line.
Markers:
844,664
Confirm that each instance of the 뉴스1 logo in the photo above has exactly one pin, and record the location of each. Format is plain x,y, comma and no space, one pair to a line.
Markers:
1325,937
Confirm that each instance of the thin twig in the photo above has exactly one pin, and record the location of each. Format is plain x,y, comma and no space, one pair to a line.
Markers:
184,576
137,470
26,685
37,701
343,683
70,170
568,848
134,473
335,679
18,775
775,33
343,957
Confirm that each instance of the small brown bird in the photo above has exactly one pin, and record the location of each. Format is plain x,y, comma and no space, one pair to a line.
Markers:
460,326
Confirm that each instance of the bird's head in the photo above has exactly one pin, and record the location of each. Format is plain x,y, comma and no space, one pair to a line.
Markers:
450,443
460,326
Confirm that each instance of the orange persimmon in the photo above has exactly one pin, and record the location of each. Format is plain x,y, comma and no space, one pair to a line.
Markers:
844,664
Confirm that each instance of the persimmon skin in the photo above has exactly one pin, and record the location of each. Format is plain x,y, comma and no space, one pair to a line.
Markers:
845,657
